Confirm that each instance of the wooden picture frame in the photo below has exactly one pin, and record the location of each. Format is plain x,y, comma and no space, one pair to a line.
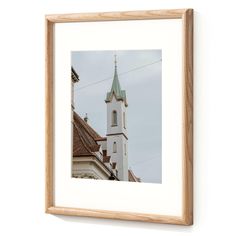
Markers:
186,15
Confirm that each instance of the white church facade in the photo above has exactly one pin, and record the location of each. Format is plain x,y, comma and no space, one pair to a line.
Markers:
99,157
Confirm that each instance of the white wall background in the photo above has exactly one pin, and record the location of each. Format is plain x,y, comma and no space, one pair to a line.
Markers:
22,120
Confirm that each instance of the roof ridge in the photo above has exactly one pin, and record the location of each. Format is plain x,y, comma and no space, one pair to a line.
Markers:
88,128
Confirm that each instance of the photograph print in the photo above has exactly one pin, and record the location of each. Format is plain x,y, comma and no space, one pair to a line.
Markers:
117,115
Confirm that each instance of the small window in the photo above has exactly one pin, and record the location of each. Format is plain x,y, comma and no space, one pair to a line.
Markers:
124,121
114,118
114,147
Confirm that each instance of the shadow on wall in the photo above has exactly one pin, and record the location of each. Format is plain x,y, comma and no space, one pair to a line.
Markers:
125,223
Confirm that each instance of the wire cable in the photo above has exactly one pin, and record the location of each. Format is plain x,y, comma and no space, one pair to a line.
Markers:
120,74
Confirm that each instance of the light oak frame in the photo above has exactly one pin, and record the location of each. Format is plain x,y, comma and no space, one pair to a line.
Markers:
187,18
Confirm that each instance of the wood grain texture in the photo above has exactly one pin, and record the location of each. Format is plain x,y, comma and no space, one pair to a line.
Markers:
49,138
117,215
117,16
188,117
187,18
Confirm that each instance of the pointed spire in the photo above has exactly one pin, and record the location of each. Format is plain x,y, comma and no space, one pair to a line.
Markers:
115,62
116,88
116,84
115,74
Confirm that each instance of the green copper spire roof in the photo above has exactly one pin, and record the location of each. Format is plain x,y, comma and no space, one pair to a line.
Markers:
116,89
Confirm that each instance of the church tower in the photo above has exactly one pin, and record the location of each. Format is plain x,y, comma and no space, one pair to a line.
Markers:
117,137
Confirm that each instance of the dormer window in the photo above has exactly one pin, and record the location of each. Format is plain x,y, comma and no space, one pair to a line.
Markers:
114,118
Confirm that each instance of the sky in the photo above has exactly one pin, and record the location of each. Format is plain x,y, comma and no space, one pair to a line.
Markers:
140,73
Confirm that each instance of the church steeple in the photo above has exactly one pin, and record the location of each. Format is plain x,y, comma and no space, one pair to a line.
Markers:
117,135
116,84
116,88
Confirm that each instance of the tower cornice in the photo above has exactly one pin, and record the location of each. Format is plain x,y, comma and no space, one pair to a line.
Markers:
114,134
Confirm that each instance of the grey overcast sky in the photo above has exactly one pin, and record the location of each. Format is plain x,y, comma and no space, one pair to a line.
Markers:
139,73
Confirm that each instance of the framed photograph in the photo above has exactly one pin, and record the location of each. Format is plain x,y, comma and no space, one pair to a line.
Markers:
119,115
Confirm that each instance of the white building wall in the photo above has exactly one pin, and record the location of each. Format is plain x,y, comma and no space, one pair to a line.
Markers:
119,157
118,134
119,107
103,144
87,168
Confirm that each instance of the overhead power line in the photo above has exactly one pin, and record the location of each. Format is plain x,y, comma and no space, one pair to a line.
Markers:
119,74
140,162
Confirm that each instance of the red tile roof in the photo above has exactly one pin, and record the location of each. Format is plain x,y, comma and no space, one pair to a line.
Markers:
84,136
106,159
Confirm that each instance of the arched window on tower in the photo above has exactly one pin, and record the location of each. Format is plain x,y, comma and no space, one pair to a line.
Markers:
114,147
114,118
